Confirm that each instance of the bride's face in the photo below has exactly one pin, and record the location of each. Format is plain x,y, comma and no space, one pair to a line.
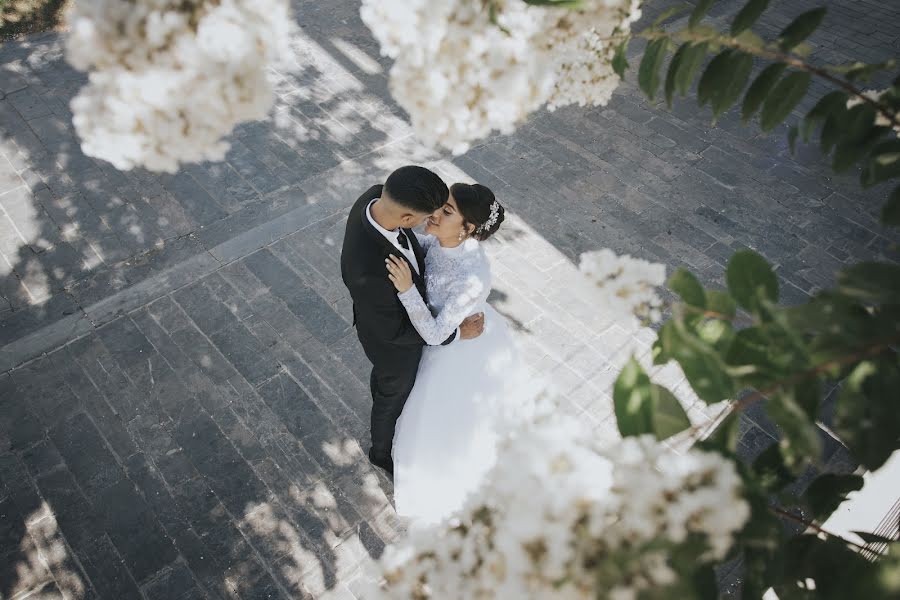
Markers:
446,222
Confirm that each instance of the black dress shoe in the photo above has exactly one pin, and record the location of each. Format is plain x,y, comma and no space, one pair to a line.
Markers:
382,461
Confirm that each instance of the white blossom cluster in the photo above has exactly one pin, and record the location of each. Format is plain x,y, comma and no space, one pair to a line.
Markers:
170,78
881,119
627,285
461,76
561,517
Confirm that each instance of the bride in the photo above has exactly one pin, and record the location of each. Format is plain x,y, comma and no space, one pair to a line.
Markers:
465,392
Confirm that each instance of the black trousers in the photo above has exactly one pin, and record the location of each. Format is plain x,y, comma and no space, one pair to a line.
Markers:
390,386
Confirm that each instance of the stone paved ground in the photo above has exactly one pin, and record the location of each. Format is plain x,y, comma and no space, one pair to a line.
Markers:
183,404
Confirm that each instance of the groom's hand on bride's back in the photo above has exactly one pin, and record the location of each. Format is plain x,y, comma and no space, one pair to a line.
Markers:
472,327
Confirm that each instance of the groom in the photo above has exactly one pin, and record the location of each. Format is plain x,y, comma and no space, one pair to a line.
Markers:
379,226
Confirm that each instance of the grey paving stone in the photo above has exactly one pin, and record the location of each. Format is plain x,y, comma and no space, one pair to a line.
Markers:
246,353
133,529
28,104
173,583
224,183
297,410
201,207
316,314
254,213
19,425
202,306
86,456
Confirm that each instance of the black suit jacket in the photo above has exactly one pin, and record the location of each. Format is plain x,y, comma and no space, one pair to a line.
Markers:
384,329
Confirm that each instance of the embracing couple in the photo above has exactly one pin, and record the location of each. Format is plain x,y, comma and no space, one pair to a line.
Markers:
444,367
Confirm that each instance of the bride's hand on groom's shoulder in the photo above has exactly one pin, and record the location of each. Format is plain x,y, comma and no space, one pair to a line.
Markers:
399,273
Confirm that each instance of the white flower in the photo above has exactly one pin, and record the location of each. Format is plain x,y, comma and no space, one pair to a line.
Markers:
627,285
461,77
169,79
557,507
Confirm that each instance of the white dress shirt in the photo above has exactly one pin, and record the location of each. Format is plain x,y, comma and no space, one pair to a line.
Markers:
391,236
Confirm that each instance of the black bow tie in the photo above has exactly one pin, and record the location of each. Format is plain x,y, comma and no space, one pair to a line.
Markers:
401,239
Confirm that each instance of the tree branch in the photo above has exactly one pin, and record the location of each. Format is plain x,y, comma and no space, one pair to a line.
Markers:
818,529
756,395
793,61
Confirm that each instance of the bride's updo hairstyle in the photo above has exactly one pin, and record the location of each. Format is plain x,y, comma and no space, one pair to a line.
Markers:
475,203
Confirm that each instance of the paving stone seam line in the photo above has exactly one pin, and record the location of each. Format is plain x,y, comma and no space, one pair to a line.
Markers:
56,332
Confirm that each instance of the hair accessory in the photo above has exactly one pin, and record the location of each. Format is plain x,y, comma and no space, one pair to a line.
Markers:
495,214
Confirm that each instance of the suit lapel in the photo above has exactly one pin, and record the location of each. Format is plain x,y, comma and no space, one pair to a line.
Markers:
417,250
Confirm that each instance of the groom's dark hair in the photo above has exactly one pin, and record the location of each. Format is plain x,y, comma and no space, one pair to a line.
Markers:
417,189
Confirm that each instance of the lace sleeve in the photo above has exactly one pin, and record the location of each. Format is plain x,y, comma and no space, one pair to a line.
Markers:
462,301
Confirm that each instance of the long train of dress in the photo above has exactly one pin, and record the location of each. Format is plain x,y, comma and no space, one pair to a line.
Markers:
445,441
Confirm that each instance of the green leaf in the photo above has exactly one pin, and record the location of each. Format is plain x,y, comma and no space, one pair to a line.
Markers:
619,62
839,572
828,491
866,417
783,98
801,28
761,535
750,356
686,285
632,400
689,66
714,76
644,407
800,442
871,282
715,332
833,103
858,136
648,73
748,15
792,137
701,363
749,275
665,341
724,79
700,11
770,470
847,154
858,122
720,302
672,73
724,97
885,161
705,583
760,88
669,417
831,133
890,214
669,12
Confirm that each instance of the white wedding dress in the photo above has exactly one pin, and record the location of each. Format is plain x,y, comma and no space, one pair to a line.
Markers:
466,393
